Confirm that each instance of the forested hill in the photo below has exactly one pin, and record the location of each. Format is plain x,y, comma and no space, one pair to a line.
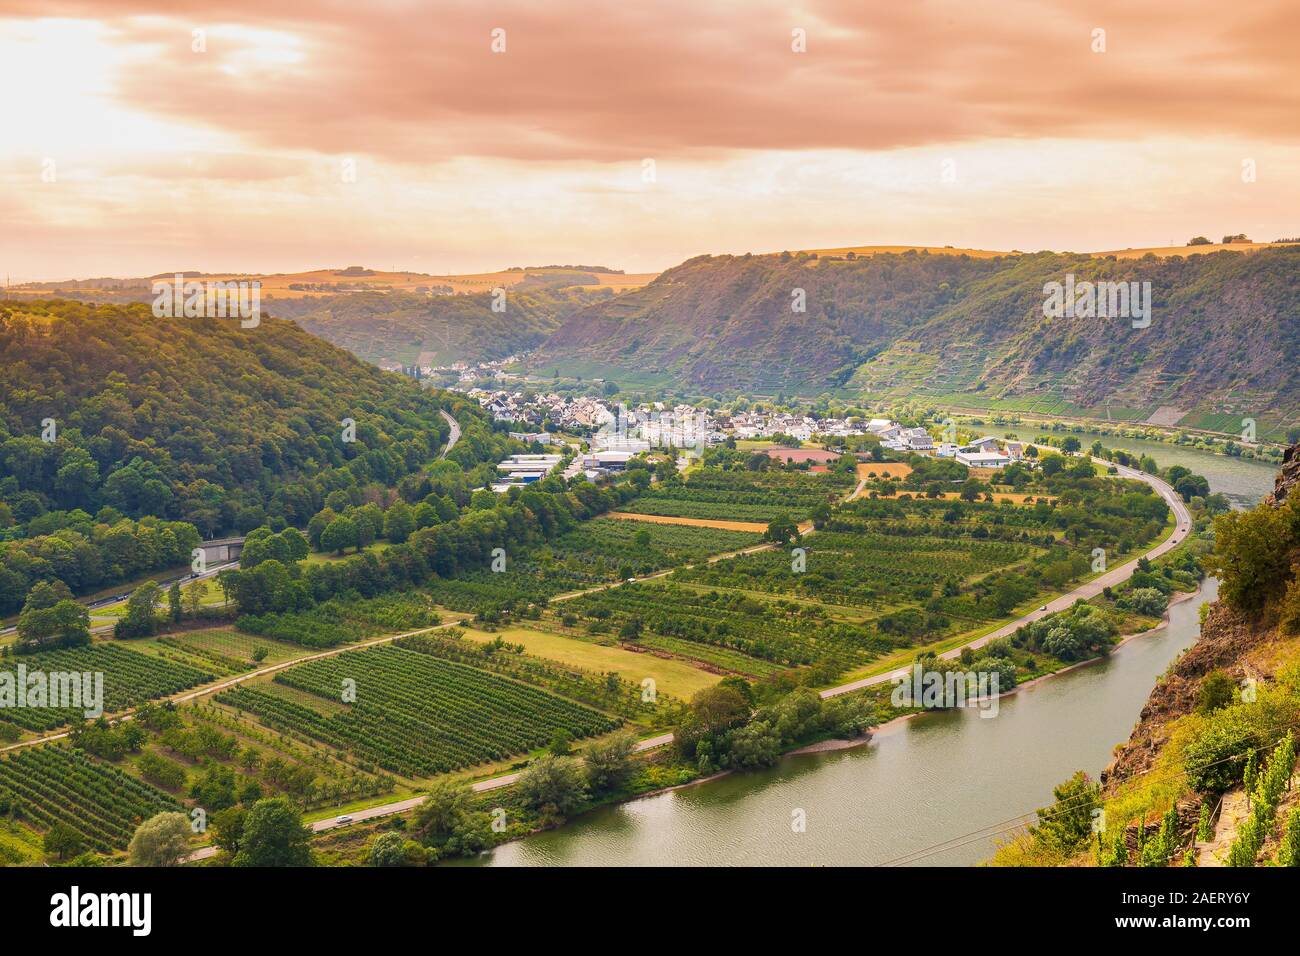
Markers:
199,420
412,328
1223,336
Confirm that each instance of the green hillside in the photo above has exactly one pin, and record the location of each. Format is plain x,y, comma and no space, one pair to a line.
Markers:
1222,343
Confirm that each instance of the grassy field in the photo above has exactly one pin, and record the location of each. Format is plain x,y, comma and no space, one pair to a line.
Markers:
670,676
227,643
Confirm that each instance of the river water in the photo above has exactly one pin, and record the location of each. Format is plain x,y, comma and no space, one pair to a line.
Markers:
945,785
1243,481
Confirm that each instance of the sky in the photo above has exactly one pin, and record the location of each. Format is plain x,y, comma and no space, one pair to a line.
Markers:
449,137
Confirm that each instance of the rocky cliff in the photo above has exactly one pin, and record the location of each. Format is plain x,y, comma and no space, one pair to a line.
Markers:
1228,642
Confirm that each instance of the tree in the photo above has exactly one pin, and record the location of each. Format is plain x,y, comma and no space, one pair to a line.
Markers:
162,840
554,786
389,849
51,618
1051,464
781,530
444,810
1149,601
63,841
399,522
1192,486
193,598
317,525
608,763
561,743
1067,825
228,828
139,619
174,601
341,533
1070,445
274,835
1251,556
1289,852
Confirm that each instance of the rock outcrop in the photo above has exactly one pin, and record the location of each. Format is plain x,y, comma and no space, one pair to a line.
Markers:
1227,638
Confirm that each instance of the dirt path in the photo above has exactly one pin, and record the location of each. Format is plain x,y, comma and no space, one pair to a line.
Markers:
721,524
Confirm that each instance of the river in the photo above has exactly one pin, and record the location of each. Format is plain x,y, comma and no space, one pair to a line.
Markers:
953,780
1244,481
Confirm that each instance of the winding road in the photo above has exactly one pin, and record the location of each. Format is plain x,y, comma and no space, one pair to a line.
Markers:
453,436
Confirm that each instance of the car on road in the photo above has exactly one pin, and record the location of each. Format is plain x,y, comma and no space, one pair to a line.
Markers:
1043,608
343,819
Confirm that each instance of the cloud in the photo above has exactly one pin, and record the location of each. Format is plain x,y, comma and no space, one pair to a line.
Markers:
597,81
231,158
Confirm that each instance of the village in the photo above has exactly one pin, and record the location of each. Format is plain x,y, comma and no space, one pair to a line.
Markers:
596,438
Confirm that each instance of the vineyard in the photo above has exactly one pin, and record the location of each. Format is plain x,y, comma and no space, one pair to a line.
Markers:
129,678
598,552
345,620
611,545
601,691
417,714
742,496
860,570
57,784
776,632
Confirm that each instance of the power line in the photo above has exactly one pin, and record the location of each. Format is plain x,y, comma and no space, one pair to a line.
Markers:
1021,820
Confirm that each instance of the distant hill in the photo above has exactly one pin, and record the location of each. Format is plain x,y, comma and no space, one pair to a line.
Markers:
961,329
411,328
396,317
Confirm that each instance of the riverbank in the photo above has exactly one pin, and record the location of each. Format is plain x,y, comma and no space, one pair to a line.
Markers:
834,746
894,723
943,790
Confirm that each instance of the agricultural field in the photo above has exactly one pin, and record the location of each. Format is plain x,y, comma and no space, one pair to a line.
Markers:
598,552
56,784
754,527
130,678
861,570
881,575
345,620
416,713
203,752
783,633
616,545
736,495
226,649
676,678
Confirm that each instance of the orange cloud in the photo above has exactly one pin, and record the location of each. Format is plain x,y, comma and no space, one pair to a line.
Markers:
597,81
230,158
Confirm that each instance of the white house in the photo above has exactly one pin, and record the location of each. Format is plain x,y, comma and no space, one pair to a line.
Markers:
916,439
983,459
945,449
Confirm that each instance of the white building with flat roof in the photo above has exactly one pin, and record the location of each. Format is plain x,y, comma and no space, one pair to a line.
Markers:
983,459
